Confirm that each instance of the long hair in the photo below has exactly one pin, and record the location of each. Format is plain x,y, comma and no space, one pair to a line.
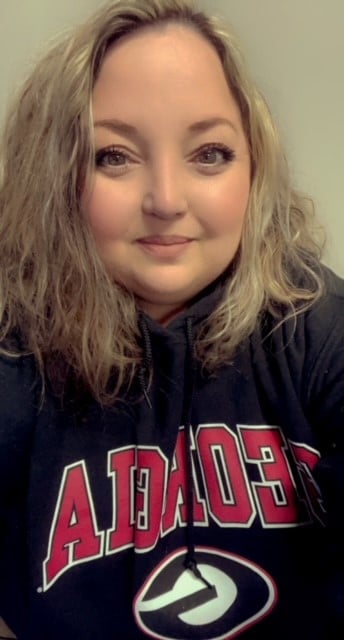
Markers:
54,290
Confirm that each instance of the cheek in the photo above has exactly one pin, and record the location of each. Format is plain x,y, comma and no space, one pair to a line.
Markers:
226,205
108,210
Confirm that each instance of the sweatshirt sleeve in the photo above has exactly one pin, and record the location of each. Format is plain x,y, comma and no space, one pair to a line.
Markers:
325,385
18,409
324,371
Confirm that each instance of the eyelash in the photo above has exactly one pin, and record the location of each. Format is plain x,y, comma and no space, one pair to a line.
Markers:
228,156
102,154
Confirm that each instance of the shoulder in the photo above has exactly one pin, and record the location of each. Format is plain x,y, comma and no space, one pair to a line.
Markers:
19,406
306,332
323,358
323,323
19,382
316,336
307,350
332,299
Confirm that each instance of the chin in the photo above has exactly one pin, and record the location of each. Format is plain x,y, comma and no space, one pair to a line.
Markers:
164,294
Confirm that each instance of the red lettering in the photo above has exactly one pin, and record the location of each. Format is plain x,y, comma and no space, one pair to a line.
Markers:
306,459
122,466
151,485
176,504
147,503
225,481
74,536
276,496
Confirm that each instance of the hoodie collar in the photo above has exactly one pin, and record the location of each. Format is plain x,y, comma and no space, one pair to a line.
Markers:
201,307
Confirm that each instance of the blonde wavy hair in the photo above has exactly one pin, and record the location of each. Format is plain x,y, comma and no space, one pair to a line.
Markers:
54,290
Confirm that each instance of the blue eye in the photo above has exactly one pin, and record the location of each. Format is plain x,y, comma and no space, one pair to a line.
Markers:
214,155
111,157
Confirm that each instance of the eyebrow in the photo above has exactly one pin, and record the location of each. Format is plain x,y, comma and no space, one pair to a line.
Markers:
118,126
205,125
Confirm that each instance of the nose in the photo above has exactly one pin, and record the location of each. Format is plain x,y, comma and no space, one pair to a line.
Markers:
165,196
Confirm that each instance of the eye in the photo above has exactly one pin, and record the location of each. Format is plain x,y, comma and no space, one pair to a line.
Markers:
112,158
214,155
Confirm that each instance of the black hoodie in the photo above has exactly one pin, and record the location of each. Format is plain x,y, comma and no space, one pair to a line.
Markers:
212,508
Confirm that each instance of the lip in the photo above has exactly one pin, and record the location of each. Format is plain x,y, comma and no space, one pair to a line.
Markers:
164,240
165,247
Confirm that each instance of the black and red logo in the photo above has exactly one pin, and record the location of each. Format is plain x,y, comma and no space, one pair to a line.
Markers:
174,604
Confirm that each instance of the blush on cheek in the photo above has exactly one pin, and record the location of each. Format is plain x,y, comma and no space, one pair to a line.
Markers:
110,208
229,219
100,216
237,211
101,226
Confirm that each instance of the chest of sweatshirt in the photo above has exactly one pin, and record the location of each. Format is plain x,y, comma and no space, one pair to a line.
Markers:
249,432
258,390
105,482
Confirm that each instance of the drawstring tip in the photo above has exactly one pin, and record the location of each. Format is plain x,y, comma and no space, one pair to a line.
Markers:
192,566
147,398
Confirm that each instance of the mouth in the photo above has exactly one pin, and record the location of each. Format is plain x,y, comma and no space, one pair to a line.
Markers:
164,240
165,247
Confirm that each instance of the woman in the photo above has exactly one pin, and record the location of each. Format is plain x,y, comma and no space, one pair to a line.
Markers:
172,349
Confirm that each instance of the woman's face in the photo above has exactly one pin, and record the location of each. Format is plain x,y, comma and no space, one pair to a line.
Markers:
172,172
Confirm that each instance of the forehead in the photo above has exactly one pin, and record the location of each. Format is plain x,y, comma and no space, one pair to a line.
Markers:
164,65
175,43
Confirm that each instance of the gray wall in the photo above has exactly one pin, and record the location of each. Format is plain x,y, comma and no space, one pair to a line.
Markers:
26,27
296,51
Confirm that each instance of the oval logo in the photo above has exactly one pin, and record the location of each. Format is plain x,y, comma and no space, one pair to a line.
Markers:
175,605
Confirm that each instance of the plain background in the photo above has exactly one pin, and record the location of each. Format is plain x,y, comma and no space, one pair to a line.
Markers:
295,49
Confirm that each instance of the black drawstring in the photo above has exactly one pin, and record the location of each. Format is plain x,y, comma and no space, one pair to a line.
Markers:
190,561
146,366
